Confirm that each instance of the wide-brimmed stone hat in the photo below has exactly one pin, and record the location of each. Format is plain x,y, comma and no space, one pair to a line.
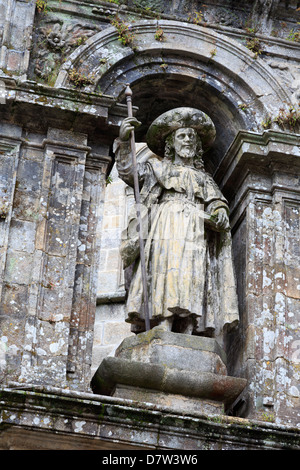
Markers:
179,118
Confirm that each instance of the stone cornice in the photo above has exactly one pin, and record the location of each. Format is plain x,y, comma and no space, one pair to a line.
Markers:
59,106
258,149
102,422
63,98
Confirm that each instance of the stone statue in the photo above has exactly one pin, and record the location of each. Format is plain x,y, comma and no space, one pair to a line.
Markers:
191,284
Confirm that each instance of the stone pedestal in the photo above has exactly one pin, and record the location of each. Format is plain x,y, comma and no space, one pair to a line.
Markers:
170,369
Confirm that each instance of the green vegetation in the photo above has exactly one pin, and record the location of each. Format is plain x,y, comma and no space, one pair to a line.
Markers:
266,124
42,6
195,17
125,35
79,79
243,106
159,35
253,44
294,35
288,118
213,52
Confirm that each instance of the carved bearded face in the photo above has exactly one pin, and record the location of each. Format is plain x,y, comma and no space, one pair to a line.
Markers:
185,142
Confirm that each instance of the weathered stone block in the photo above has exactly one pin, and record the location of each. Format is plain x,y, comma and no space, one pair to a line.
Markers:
26,206
22,236
174,351
30,173
14,299
18,267
169,363
110,312
14,61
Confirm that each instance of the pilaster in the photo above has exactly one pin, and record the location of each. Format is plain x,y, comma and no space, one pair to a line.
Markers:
260,177
51,188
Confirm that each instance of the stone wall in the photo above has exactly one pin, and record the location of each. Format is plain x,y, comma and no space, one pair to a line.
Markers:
42,253
63,70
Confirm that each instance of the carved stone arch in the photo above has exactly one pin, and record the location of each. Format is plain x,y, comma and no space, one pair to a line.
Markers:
191,66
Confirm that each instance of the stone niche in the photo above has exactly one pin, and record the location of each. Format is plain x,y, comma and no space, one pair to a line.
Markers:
55,136
180,371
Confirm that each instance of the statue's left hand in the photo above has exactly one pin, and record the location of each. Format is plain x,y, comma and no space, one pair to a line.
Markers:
221,219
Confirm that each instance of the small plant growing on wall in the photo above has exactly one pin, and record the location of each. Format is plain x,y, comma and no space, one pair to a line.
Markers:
196,17
42,6
294,35
266,124
288,118
125,35
79,79
108,180
252,42
80,40
213,52
243,106
254,46
164,67
159,35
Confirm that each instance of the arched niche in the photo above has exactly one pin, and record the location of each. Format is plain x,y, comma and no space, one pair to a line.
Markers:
192,66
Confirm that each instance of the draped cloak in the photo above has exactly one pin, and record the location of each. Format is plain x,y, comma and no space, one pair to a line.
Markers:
189,266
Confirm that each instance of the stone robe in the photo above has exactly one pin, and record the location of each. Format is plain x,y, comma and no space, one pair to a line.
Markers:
189,265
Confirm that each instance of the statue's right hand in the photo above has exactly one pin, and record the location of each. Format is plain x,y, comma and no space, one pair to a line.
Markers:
128,125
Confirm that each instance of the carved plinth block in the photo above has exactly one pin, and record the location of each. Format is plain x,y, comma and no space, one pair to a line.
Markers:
174,401
175,351
170,369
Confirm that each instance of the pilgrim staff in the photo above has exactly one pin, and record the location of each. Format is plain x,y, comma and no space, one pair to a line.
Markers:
128,94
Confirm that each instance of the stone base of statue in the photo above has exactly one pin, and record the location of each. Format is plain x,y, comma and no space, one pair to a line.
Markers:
183,372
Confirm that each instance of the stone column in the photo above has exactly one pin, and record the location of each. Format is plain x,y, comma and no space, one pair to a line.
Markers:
260,177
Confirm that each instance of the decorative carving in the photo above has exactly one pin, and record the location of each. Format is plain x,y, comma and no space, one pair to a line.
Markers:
224,16
55,42
154,5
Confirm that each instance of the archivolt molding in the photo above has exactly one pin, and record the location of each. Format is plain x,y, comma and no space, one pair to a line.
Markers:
109,62
193,66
